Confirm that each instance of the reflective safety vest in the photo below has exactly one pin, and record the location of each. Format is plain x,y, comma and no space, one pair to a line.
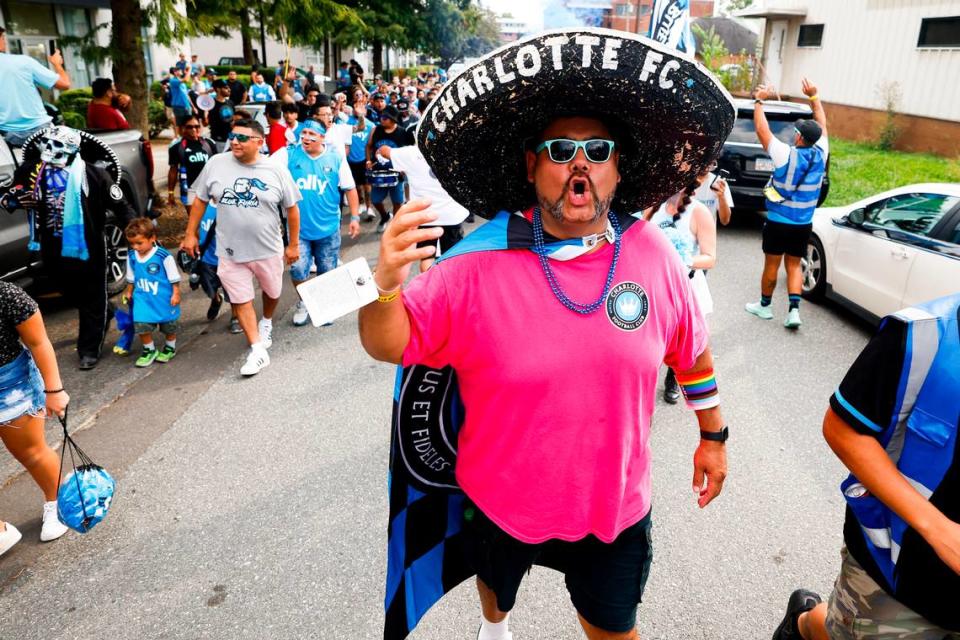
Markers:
798,182
922,438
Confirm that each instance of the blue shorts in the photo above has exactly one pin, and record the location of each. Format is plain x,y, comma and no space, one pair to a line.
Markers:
324,252
379,194
21,389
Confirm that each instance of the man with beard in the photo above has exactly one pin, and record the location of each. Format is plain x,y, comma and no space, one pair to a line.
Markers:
238,92
557,384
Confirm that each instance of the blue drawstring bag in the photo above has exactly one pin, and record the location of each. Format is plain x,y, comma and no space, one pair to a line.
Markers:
85,495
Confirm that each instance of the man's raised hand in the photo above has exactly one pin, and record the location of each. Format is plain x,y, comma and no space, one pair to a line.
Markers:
398,245
809,89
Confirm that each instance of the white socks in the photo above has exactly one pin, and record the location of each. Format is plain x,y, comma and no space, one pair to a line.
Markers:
494,630
149,346
266,322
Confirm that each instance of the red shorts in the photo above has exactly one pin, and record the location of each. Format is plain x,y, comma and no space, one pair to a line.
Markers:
237,277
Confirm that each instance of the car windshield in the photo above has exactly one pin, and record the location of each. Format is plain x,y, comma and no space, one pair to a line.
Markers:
744,131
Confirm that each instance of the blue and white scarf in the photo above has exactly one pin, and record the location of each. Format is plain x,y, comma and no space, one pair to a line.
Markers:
74,240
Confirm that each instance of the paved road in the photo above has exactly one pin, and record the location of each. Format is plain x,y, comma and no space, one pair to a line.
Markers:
257,508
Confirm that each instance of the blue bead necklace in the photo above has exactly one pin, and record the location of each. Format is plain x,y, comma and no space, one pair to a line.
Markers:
540,249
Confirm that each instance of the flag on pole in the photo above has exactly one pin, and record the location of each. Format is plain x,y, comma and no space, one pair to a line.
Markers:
670,25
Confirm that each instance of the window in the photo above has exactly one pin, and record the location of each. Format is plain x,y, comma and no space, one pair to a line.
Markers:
939,32
811,35
625,9
915,213
745,132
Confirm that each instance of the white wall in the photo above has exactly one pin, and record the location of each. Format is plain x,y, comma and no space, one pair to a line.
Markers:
868,42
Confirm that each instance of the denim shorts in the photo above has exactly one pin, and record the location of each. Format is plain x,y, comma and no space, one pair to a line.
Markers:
21,389
324,252
379,194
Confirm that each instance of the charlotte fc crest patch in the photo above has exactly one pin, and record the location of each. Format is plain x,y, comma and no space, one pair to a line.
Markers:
627,306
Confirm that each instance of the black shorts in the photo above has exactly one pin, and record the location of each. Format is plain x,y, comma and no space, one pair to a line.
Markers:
359,171
790,239
452,234
605,581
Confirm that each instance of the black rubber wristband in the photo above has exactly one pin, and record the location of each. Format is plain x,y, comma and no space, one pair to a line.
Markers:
50,391
716,436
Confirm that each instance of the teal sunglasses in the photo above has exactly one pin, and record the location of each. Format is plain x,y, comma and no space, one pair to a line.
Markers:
563,150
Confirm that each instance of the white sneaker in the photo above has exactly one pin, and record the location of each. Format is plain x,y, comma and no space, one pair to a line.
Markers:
257,359
266,334
759,310
52,527
301,316
793,319
9,537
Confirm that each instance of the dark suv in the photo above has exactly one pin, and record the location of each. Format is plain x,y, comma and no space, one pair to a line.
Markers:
748,165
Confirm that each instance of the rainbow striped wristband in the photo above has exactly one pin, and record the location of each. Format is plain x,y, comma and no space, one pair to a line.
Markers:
699,389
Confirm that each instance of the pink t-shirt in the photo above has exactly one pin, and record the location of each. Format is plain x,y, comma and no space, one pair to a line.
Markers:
555,442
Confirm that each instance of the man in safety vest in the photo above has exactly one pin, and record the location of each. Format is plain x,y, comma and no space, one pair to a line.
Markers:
792,195
894,423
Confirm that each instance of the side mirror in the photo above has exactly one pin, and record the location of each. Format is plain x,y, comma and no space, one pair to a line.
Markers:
855,217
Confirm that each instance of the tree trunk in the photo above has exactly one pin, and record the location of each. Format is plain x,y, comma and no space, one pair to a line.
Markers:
246,37
263,38
129,66
377,57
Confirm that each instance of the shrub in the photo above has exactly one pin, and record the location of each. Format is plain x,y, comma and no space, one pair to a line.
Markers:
74,119
156,117
889,93
75,100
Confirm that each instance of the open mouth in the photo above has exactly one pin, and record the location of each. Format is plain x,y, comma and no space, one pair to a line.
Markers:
579,192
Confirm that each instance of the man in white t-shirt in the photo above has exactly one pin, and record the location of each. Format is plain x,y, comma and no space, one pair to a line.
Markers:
424,186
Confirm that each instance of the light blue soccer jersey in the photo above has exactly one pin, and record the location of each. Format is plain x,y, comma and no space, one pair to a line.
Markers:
358,144
320,180
206,222
153,279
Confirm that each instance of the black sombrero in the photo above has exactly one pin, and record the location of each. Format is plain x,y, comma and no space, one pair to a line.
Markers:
92,149
669,114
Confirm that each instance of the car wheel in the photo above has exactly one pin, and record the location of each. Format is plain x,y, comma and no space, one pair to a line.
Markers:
116,244
814,266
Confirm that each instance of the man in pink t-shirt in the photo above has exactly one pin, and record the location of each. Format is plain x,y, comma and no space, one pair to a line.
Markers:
558,385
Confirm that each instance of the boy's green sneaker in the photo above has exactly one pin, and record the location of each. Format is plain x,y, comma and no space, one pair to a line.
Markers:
147,356
167,354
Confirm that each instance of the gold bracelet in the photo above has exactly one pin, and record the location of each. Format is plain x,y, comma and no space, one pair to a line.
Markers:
816,97
389,298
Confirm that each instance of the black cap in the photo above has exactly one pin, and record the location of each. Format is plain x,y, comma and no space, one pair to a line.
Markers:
220,84
390,113
403,105
810,131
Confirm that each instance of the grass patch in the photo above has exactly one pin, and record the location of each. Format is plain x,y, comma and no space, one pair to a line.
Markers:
858,170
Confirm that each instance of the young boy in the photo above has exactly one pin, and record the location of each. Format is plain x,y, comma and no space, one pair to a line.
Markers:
291,115
153,285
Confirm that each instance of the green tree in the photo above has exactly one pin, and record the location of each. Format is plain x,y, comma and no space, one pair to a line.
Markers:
735,5
710,47
459,30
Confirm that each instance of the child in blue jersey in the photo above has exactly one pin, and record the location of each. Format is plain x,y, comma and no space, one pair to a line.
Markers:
206,270
153,285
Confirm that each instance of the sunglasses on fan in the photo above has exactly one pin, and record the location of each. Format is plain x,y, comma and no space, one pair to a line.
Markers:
563,150
241,137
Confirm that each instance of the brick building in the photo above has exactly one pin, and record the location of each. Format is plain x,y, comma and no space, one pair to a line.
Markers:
634,15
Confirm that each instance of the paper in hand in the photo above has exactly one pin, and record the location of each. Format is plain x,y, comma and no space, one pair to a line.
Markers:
336,293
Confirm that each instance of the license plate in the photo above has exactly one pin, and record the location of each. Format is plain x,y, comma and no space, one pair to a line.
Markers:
763,164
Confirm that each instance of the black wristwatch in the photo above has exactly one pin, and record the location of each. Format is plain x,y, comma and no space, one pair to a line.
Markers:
715,436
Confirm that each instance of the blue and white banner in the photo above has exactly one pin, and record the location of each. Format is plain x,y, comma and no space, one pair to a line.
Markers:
670,25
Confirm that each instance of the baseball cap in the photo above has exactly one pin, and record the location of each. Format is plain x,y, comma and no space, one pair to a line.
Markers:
378,96
809,130
390,112
220,84
403,105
